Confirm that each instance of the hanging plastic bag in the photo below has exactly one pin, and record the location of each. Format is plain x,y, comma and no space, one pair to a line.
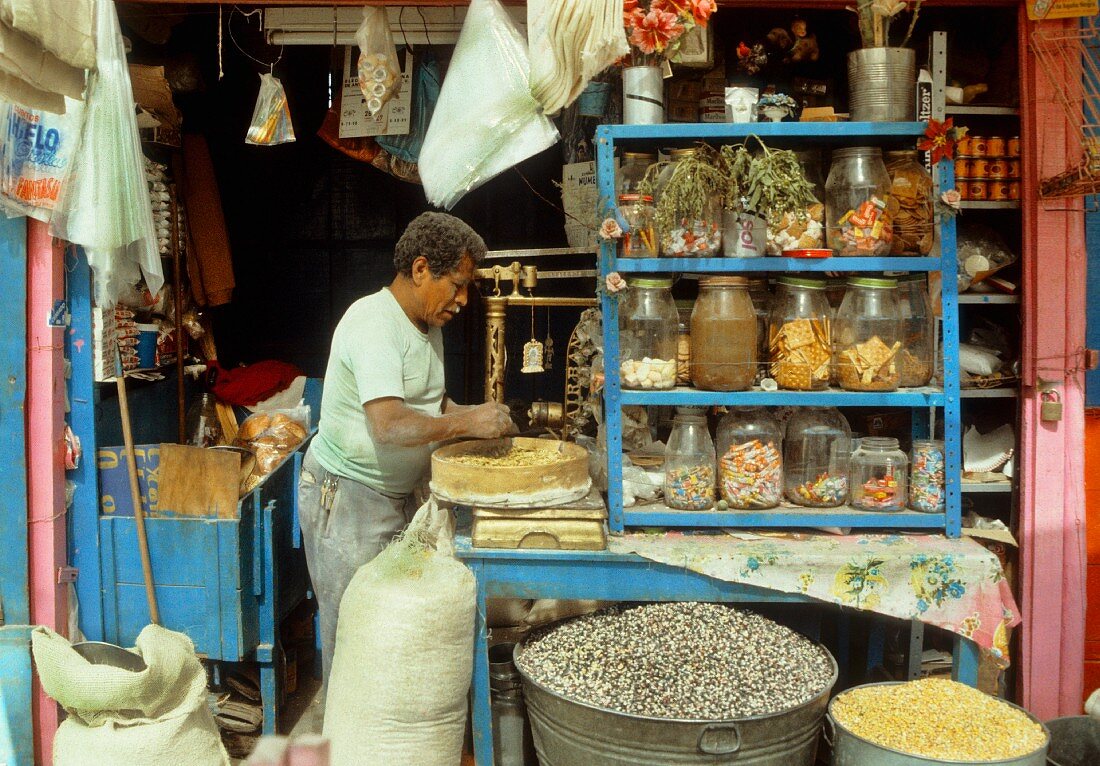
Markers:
36,157
486,120
379,72
425,95
271,123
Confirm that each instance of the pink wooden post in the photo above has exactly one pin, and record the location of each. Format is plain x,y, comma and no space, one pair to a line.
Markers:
45,456
1052,510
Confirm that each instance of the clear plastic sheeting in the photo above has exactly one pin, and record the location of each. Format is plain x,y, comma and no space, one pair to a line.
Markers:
486,120
105,207
570,44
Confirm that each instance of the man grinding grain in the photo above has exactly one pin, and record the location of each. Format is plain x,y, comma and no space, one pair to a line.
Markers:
384,407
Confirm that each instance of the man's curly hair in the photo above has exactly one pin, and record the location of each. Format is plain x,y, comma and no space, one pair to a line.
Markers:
442,239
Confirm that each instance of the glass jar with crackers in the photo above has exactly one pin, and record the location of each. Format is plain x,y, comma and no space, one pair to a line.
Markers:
912,187
648,332
804,230
868,336
859,209
816,454
799,335
689,462
723,330
916,360
750,459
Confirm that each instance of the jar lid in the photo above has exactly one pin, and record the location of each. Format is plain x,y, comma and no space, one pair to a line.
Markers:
654,281
873,282
917,276
899,154
640,156
857,151
635,198
878,442
724,282
814,284
680,153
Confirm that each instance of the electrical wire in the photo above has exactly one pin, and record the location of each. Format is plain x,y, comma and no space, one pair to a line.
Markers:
270,65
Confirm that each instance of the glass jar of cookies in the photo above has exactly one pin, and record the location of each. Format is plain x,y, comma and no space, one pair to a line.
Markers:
868,336
911,187
750,459
648,330
858,211
816,454
723,332
916,359
799,332
803,229
689,462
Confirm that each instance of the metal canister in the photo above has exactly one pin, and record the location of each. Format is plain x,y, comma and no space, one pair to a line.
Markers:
1014,190
998,190
964,147
962,168
979,168
1013,167
513,744
997,168
1012,146
977,190
995,146
979,146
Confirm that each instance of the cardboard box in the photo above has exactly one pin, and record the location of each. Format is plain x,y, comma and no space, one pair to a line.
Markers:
683,111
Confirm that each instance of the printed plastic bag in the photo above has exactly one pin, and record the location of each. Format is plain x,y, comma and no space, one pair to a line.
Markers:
271,436
35,157
271,123
425,95
379,72
486,120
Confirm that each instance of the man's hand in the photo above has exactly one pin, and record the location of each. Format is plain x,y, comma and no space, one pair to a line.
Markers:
488,421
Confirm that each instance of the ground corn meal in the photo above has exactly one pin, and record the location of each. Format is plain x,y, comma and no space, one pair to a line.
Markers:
937,718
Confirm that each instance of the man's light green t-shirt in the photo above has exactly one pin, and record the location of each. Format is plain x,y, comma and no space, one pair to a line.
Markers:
377,352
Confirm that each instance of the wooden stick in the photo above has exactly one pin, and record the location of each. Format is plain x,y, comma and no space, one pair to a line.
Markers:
135,491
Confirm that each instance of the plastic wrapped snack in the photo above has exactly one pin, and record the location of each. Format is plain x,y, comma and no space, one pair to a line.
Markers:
379,71
486,120
271,118
271,436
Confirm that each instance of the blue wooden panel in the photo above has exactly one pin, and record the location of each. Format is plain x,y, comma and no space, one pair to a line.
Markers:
845,131
16,733
785,518
914,397
1092,304
770,263
114,479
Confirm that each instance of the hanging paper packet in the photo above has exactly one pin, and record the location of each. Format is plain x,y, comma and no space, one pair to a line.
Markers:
379,70
35,157
271,118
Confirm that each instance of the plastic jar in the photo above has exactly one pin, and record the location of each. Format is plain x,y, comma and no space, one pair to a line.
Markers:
723,332
799,345
879,475
816,454
648,329
916,358
927,491
750,459
689,462
868,335
912,189
859,215
761,296
692,233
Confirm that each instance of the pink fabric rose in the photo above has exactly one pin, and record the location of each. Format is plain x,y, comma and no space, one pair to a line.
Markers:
615,283
610,229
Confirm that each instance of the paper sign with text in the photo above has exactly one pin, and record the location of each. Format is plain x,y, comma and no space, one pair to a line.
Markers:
1061,9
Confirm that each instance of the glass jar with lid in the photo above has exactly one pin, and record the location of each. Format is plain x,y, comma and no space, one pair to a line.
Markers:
723,332
816,454
879,475
632,171
858,210
689,462
761,296
835,287
750,459
868,335
683,342
916,358
927,491
648,329
636,207
911,187
803,229
799,332
689,229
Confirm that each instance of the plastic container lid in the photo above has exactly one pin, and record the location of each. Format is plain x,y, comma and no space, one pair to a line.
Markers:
872,282
635,198
815,284
651,282
640,156
809,252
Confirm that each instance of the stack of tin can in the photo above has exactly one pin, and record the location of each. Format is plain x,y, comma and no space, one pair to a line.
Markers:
988,168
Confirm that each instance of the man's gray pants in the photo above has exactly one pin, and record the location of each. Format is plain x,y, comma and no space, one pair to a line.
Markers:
342,531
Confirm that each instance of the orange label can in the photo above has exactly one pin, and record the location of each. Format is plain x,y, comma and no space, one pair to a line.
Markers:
997,169
964,146
1014,190
962,168
977,190
1013,167
979,168
998,190
995,146
1012,146
979,146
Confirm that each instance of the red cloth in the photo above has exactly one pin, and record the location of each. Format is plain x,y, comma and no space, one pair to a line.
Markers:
247,385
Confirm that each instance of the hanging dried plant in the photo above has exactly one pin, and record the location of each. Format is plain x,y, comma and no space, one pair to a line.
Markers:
694,182
770,184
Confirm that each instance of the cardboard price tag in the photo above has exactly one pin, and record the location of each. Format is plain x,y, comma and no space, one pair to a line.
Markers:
1061,9
394,118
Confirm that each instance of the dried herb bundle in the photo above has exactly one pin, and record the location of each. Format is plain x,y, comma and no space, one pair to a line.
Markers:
694,182
770,184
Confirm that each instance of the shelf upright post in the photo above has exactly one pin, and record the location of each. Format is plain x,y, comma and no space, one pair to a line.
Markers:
609,306
952,412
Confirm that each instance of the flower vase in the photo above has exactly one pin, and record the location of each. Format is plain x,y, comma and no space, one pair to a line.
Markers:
643,96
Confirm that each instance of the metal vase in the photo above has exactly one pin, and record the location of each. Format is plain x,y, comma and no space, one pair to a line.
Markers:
643,96
882,84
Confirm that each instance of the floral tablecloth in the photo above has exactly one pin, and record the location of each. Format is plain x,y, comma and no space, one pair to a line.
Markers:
955,584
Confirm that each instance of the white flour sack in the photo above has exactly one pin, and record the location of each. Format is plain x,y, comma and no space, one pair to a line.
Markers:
404,653
153,717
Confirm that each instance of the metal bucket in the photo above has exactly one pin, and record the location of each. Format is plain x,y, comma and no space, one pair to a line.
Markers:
882,84
571,733
852,750
512,741
1074,741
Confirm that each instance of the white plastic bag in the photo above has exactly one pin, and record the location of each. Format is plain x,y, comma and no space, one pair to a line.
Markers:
379,71
404,653
486,120
271,123
35,157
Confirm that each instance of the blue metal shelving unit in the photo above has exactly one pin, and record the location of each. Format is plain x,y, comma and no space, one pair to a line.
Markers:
922,400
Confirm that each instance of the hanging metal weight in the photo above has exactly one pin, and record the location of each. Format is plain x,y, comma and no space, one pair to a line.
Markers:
1050,411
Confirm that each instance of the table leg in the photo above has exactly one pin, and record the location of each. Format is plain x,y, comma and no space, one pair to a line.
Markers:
916,649
964,661
483,711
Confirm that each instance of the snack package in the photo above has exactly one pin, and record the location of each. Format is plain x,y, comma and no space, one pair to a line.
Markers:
271,123
379,71
35,160
271,436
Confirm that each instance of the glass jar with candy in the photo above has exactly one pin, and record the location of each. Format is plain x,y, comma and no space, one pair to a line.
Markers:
816,454
927,492
689,462
879,475
858,209
750,459
689,206
648,330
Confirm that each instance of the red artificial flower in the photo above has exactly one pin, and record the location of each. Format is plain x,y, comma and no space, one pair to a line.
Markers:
939,139
702,9
678,7
631,14
654,31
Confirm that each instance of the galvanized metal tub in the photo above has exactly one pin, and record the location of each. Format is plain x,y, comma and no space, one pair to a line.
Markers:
571,733
882,84
1074,741
852,750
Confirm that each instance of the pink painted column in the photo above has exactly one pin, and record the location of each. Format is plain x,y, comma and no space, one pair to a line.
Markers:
45,456
1052,528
